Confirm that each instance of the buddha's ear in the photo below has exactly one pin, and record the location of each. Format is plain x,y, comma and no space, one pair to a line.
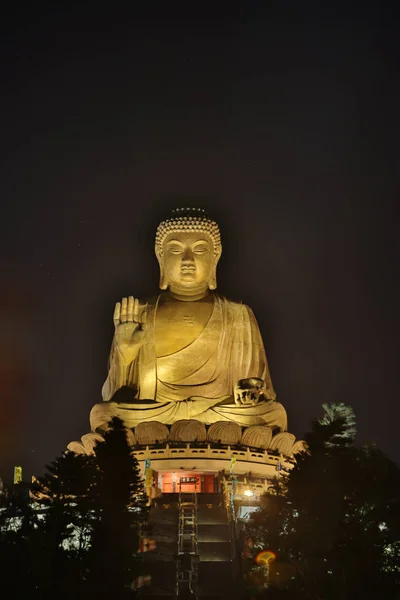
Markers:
163,280
212,282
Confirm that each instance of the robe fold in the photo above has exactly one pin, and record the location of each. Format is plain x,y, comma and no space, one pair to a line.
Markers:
198,381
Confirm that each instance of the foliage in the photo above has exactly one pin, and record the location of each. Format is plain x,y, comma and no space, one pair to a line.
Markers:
65,495
120,505
79,521
334,523
18,532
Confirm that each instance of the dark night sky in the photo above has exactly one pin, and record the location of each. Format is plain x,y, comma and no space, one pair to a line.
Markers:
284,120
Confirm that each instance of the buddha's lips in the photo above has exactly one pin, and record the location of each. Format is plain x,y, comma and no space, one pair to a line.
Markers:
188,269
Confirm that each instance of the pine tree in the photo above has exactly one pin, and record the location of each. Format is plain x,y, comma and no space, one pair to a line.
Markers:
81,521
120,505
18,526
63,496
333,523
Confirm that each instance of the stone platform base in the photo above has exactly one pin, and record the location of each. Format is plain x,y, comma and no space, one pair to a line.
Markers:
225,434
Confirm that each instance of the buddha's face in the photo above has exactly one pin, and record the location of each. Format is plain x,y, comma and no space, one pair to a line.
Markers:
188,262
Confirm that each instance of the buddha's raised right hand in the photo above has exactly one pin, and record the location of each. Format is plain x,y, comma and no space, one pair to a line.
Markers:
129,327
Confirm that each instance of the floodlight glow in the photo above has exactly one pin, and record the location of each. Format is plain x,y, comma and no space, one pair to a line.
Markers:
248,493
265,557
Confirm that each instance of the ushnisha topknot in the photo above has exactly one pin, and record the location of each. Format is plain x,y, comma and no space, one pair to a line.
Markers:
185,220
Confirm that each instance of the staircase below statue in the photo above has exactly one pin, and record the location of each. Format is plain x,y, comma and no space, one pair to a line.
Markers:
194,554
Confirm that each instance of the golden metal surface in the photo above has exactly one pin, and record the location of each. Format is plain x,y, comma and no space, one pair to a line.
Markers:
193,353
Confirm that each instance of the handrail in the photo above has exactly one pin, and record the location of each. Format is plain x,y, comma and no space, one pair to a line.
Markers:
210,452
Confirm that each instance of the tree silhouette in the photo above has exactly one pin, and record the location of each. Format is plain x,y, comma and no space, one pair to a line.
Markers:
334,522
63,497
120,506
18,529
80,521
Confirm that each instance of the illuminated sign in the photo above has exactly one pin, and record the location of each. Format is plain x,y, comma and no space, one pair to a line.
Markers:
17,474
188,480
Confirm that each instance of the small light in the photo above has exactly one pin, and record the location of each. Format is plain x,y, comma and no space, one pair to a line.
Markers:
248,493
265,557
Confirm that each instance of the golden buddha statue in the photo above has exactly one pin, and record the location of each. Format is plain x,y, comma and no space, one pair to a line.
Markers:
188,353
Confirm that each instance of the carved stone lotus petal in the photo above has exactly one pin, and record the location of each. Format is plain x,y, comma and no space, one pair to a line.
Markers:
226,432
188,431
101,415
283,442
130,437
76,448
89,440
257,436
299,447
151,432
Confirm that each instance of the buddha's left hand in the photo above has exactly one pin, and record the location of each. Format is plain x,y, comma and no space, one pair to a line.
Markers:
248,391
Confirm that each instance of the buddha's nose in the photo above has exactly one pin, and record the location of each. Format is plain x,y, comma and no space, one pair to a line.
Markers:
188,255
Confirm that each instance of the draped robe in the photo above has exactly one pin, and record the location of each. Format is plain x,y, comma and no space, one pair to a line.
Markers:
196,382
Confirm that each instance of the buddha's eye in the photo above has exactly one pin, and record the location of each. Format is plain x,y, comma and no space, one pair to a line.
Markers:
200,250
176,250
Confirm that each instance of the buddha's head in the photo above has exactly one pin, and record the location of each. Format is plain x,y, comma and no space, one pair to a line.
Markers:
188,247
